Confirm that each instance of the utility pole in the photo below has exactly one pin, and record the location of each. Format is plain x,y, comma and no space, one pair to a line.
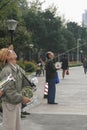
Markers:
78,50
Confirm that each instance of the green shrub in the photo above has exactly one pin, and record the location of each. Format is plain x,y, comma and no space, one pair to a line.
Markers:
21,64
74,64
28,66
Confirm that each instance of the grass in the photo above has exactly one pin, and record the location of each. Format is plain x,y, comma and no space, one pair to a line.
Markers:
75,63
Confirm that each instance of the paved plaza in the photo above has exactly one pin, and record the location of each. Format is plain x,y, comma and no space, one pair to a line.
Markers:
71,94
71,111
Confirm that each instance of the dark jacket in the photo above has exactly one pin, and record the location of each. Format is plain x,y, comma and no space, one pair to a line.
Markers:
85,63
64,64
50,70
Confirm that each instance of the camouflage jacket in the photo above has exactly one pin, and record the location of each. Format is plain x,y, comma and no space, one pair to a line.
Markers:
13,90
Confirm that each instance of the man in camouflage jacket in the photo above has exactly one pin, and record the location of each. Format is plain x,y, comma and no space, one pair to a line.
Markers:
12,92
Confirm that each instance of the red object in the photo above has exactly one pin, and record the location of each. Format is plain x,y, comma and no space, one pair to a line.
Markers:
67,72
46,90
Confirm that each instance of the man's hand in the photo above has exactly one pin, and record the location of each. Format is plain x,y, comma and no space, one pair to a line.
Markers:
26,100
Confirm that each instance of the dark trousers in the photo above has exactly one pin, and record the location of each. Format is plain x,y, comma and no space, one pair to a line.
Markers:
51,90
85,70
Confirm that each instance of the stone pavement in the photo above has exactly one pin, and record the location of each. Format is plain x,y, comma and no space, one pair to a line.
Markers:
69,114
71,94
71,111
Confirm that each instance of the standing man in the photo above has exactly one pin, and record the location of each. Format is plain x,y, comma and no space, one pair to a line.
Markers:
12,93
50,77
64,65
85,65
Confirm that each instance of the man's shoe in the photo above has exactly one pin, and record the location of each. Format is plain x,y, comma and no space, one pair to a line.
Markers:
55,103
22,116
25,113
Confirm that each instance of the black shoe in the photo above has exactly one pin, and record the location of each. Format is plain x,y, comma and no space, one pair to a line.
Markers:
25,113
22,116
53,103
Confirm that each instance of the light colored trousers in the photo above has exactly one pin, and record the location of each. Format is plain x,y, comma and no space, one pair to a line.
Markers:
11,116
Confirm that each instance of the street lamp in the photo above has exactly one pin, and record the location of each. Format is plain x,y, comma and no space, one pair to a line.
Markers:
31,46
78,46
11,23
81,51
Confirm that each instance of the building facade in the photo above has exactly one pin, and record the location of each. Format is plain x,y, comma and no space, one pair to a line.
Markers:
84,19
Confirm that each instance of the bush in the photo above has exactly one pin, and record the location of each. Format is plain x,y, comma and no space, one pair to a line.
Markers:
74,64
21,64
27,66
30,67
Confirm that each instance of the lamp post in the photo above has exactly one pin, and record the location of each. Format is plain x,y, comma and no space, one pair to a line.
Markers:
81,51
31,46
78,49
11,23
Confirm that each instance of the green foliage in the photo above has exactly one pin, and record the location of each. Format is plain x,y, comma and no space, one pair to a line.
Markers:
22,40
30,66
69,40
27,66
75,29
12,8
74,64
21,64
44,29
8,8
35,5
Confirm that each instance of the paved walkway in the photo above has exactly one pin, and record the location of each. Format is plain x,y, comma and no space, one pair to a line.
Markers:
69,114
71,94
